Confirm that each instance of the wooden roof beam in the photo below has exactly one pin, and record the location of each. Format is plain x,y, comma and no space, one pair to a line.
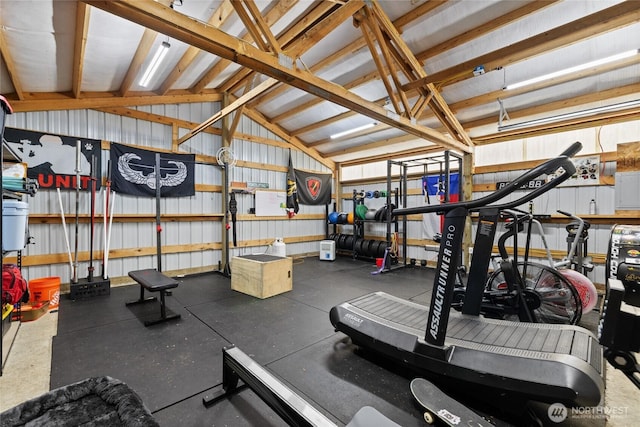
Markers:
505,94
367,27
387,142
302,36
235,105
260,32
148,37
322,123
398,23
218,18
480,30
67,101
79,44
616,16
601,119
375,129
420,151
257,117
11,66
631,89
354,46
311,30
315,101
158,17
273,15
233,127
480,99
437,103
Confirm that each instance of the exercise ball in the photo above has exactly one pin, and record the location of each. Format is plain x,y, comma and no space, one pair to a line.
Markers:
333,217
361,211
585,287
342,218
369,194
350,218
370,214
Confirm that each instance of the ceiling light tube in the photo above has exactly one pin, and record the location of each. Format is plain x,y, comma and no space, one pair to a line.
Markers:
575,69
573,115
162,51
354,130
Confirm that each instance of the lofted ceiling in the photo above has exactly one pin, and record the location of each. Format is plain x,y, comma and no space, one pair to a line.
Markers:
423,74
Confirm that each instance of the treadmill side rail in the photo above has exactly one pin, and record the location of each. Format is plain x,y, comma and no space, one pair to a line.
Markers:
544,362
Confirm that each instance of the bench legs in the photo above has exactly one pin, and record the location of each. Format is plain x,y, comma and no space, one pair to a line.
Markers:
163,309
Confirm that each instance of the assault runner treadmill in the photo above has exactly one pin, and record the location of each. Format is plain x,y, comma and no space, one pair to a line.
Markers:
541,362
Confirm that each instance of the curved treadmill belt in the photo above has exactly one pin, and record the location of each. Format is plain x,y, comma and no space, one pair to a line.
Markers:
527,352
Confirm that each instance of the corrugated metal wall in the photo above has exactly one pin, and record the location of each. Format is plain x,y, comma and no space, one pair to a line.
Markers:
570,199
412,229
49,238
573,200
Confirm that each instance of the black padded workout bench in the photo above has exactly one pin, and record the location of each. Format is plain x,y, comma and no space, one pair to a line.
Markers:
154,281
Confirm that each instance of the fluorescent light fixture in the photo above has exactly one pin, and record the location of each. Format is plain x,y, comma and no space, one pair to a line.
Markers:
354,130
575,69
162,51
573,115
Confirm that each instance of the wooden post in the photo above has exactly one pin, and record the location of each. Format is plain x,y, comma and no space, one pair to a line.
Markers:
338,175
467,191
226,142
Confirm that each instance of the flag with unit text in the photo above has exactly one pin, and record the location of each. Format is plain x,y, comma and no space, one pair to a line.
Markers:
54,160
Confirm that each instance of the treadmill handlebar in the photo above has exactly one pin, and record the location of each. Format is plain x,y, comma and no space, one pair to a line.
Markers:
572,150
552,165
569,170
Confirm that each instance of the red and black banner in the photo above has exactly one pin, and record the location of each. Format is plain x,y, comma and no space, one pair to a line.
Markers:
52,159
313,188
133,172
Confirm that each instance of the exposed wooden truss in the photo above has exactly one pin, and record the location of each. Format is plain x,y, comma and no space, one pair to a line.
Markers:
155,16
606,20
594,24
412,95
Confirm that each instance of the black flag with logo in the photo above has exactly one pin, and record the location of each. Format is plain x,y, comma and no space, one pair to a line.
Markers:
133,172
313,188
292,194
52,159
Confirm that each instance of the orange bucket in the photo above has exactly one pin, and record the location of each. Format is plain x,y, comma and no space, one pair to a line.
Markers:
45,289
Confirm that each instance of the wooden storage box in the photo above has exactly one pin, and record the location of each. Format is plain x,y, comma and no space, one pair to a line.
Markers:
261,276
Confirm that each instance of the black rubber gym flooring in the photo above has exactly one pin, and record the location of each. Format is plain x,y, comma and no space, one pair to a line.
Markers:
173,365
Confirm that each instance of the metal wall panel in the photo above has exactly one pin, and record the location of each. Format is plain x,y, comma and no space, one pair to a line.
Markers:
571,199
594,141
49,239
